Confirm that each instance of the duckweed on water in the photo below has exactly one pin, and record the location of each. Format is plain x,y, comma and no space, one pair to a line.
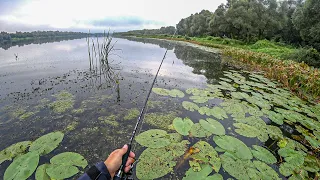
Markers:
78,111
110,120
160,120
14,150
132,114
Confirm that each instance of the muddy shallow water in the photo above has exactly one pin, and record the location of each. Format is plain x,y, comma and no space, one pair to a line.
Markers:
97,118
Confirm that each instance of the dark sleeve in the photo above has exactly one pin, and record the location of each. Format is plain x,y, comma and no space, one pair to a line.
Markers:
97,172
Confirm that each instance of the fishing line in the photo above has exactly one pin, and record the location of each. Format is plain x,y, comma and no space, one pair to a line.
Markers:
120,173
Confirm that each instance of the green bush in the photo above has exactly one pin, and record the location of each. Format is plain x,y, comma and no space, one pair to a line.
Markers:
310,56
209,38
179,36
263,44
187,38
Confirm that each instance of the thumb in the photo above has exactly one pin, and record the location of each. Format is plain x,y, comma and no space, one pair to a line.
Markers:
123,150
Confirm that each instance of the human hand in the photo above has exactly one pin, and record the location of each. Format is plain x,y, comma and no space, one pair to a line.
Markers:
113,162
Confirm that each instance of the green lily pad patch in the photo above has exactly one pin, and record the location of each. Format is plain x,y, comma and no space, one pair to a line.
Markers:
154,138
46,143
182,126
212,126
190,106
263,154
167,92
22,167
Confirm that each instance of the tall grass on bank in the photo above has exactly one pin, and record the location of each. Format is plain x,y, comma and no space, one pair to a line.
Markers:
300,78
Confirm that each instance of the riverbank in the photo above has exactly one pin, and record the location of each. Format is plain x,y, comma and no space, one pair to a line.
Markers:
300,78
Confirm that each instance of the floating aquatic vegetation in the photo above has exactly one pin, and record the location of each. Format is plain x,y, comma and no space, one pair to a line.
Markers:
153,104
226,79
154,138
160,120
110,120
216,112
198,131
311,164
61,106
200,99
63,95
240,95
167,92
17,112
212,126
78,111
14,150
65,165
132,114
274,132
274,117
206,155
22,167
263,154
233,146
182,126
26,115
202,175
246,130
155,163
161,91
46,143
176,93
190,106
41,173
245,169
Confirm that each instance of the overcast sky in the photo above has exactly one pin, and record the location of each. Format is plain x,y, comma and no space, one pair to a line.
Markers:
97,15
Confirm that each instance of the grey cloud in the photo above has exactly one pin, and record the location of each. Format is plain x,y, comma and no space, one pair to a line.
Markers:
124,21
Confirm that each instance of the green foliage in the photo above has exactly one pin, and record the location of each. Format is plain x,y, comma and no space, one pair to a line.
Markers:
233,146
22,167
198,131
309,56
190,106
46,143
212,126
203,174
206,155
14,150
154,138
41,173
155,163
182,126
263,154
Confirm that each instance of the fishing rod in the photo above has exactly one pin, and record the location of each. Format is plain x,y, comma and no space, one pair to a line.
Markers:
120,174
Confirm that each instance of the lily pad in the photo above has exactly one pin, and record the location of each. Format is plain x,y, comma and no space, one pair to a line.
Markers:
155,163
176,93
240,95
263,154
207,153
22,167
275,117
182,126
246,130
14,150
190,106
200,99
202,175
154,138
240,169
46,143
69,159
65,165
41,173
61,172
212,126
266,172
161,91
233,146
291,156
217,112
275,133
198,131
311,164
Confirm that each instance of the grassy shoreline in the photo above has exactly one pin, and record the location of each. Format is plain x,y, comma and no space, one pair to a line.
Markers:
301,79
